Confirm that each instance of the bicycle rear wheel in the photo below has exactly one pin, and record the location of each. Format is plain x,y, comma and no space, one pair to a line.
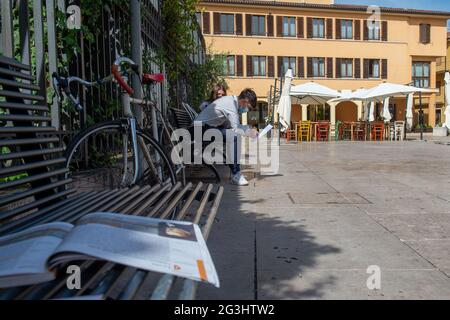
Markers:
102,157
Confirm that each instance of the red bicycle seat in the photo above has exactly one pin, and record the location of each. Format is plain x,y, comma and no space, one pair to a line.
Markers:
149,78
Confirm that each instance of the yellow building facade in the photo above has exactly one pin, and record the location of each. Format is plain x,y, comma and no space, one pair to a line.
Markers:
344,47
442,66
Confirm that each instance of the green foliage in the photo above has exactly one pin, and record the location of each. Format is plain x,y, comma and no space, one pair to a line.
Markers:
202,77
180,42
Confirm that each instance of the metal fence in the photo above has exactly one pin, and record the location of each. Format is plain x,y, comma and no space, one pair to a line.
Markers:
37,44
32,32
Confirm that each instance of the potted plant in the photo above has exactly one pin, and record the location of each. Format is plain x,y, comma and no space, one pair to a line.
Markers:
440,131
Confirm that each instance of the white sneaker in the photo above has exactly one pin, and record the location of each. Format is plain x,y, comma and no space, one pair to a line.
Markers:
239,180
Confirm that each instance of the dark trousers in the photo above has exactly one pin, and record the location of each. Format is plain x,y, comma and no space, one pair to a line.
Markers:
235,166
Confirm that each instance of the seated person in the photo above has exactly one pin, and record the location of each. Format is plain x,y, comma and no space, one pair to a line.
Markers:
223,114
218,92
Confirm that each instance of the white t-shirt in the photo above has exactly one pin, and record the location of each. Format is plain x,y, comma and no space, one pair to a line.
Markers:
223,113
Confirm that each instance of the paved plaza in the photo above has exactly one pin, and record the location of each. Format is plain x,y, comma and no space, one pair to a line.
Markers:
333,210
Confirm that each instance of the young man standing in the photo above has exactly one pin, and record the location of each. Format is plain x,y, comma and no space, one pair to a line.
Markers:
223,114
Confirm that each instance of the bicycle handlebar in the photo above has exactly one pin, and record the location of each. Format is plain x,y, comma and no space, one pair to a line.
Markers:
62,85
116,72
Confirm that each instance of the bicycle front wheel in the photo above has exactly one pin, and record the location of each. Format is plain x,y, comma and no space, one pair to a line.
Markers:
102,157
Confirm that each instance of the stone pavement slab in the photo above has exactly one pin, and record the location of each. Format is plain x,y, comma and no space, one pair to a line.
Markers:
333,210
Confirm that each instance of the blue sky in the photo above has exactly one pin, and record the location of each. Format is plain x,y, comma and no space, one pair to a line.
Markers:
443,5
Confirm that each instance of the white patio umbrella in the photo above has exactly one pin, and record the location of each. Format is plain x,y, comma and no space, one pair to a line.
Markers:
385,90
285,104
313,93
386,113
447,99
349,96
409,110
366,110
372,111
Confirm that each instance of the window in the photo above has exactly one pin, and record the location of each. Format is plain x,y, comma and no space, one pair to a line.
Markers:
421,74
259,25
318,67
347,68
346,29
227,23
374,30
374,68
319,28
289,63
289,27
425,33
229,66
259,66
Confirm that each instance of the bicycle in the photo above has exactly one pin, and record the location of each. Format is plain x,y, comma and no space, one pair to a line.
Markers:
125,141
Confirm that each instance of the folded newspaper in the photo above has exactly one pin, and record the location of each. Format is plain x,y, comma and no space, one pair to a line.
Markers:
172,247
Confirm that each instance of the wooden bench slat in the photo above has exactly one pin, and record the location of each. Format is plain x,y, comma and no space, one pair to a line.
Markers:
25,208
20,95
20,85
33,178
31,141
32,153
9,171
83,208
27,221
31,192
23,106
15,117
27,129
16,74
14,63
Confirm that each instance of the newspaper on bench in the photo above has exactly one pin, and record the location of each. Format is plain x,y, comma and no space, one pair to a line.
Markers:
165,246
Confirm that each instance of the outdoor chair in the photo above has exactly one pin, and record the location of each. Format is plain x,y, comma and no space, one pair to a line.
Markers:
323,131
359,131
399,127
390,131
304,131
378,131
35,189
345,131
292,133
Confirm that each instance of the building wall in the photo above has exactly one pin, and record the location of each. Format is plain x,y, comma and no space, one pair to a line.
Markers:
400,50
443,65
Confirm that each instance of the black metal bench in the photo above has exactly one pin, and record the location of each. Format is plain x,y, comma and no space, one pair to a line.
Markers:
34,189
184,119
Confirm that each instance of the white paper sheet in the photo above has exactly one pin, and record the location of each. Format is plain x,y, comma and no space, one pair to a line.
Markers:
265,131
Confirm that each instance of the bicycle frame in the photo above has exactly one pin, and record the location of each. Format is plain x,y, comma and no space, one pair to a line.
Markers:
135,140
131,122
